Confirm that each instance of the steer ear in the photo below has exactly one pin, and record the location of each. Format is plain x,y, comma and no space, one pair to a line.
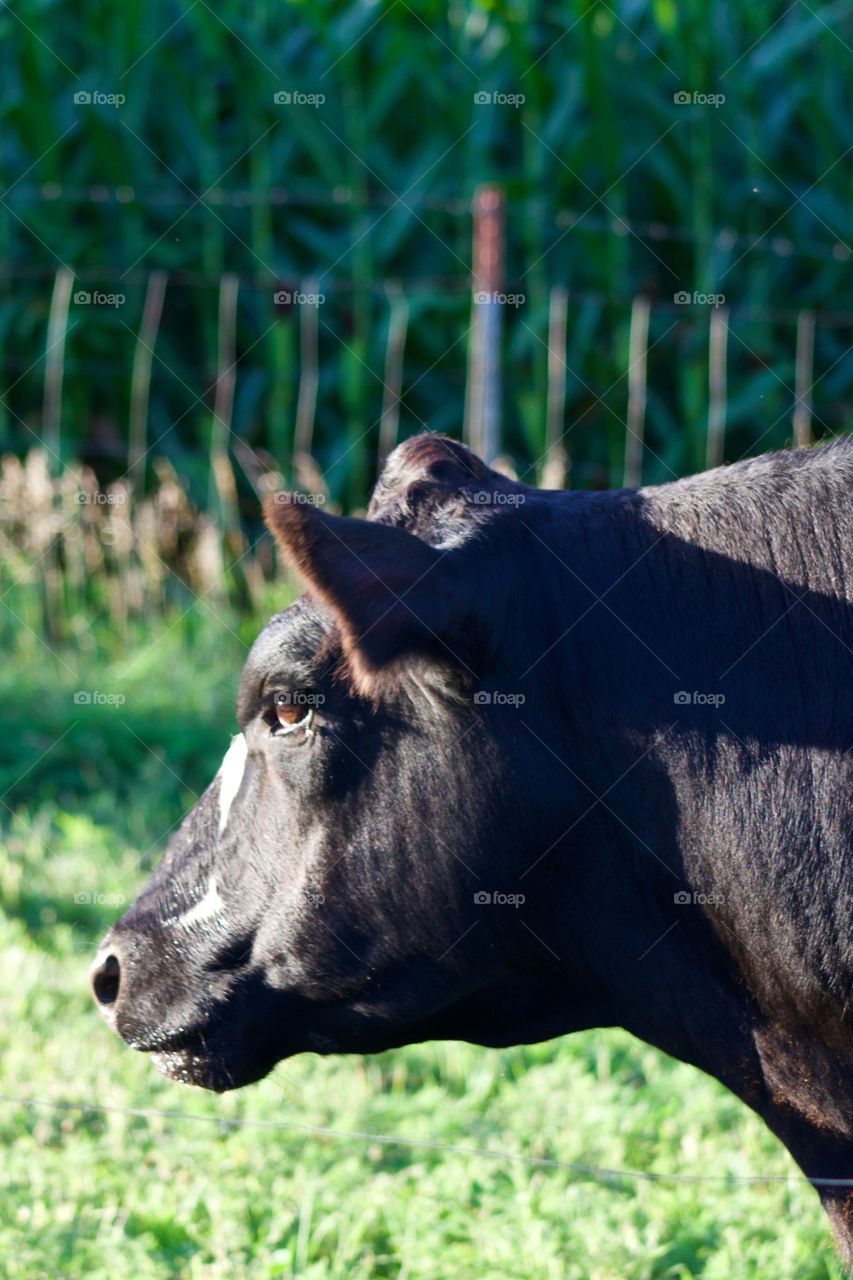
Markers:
392,595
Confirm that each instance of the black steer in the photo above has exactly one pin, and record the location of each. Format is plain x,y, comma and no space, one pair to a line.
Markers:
522,763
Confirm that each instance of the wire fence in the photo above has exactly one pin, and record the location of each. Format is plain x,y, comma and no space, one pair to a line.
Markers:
158,407
457,206
583,1171
569,384
174,497
310,314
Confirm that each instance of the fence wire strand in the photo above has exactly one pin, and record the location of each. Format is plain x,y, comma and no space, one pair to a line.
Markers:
346,198
587,1171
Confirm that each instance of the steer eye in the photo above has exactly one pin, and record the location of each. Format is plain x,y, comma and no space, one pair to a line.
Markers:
292,711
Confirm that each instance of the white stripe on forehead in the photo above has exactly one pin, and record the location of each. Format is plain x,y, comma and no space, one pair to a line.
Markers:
210,905
230,777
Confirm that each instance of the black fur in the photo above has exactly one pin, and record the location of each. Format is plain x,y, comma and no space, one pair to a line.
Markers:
352,859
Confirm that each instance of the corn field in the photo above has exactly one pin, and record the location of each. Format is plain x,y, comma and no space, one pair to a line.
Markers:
237,245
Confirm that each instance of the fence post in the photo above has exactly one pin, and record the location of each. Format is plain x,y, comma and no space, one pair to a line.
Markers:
392,381
638,345
309,375
804,379
140,380
54,363
556,463
482,428
717,343
222,473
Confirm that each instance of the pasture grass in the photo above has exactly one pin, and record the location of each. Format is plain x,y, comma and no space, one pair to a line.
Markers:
107,1196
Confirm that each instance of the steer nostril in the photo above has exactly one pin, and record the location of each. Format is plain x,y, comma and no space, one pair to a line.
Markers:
106,980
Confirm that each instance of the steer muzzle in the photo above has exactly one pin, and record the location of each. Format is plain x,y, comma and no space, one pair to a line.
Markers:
142,993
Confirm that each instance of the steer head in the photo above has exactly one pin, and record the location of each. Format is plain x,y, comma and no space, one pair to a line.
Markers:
325,893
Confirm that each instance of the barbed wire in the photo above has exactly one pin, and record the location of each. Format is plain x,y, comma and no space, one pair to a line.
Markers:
592,1172
456,206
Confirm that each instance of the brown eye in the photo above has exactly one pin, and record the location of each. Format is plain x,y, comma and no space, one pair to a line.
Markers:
290,711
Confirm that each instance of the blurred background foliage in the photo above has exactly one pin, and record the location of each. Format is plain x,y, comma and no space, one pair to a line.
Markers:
192,164
613,189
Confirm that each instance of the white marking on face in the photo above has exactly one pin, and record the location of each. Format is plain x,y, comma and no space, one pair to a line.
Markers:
230,777
210,905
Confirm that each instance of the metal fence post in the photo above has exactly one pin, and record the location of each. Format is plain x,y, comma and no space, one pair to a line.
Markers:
717,392
483,408
804,379
54,363
638,345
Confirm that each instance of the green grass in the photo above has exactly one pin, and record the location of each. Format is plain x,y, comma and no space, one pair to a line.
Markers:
106,1196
